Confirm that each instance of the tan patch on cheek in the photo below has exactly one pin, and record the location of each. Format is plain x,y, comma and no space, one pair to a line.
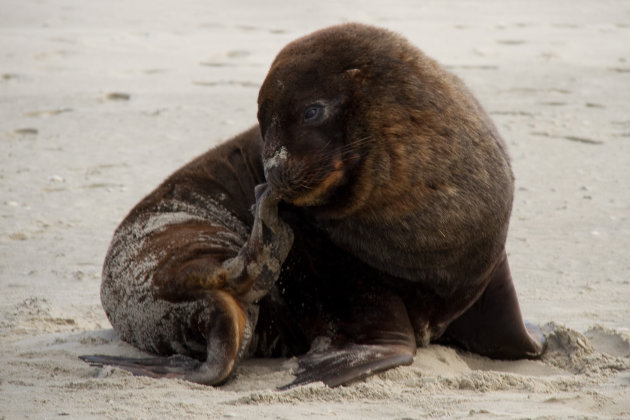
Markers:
332,179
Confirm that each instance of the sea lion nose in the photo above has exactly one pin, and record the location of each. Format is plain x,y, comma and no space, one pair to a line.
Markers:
273,160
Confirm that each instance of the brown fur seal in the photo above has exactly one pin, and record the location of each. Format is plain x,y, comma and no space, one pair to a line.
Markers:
379,224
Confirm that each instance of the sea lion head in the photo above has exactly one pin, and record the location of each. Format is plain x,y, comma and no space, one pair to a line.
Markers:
355,117
317,112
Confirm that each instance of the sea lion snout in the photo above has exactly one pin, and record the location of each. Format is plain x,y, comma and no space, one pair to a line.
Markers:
303,176
275,164
302,180
275,157
275,160
302,160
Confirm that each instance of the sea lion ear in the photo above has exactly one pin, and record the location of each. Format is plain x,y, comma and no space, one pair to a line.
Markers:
352,73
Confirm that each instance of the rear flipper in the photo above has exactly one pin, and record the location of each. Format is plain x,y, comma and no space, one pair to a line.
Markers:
253,272
373,334
218,314
494,326
228,329
177,366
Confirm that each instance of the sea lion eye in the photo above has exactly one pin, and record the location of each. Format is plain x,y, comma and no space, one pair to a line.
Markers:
313,113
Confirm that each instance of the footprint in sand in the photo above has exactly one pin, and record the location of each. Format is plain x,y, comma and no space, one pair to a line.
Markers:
238,54
154,71
598,353
553,103
510,41
26,131
118,96
10,76
619,69
609,341
47,112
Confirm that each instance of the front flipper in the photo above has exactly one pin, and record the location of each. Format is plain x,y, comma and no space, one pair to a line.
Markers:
337,366
493,326
373,333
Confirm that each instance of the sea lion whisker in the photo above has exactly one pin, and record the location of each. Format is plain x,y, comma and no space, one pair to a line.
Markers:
361,140
356,143
323,148
346,147
343,150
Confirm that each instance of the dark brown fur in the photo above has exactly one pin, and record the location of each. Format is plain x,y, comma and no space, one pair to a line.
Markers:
427,194
394,193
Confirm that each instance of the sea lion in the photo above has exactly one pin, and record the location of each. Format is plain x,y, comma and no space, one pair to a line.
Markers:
381,194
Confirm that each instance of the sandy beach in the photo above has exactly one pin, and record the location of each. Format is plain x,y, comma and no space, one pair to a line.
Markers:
100,101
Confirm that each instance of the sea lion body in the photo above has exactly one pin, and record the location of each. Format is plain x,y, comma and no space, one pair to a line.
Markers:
153,276
379,225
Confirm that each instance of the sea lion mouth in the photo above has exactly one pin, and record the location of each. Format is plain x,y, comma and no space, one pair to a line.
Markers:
318,194
304,181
